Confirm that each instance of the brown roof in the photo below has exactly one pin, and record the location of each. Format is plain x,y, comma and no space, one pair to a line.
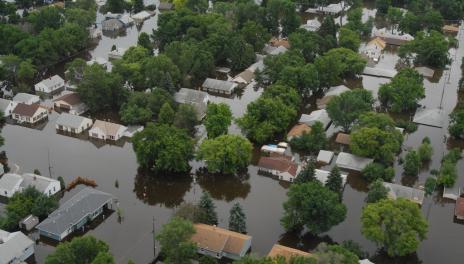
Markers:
343,138
459,208
298,130
110,129
286,252
25,109
378,42
217,239
280,42
70,98
281,164
322,103
246,75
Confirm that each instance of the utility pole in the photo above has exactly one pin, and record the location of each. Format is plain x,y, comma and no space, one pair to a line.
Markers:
49,164
154,240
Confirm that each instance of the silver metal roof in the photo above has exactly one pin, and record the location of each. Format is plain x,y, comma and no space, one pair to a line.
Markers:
69,120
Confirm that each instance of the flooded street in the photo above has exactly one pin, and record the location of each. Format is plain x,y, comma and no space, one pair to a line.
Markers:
150,200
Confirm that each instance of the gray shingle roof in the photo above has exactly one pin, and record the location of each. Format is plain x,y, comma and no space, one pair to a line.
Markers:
39,182
352,162
399,191
198,99
219,85
69,120
4,103
24,97
85,202
13,245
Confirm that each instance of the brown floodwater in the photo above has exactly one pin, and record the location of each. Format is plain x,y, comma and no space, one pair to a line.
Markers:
143,197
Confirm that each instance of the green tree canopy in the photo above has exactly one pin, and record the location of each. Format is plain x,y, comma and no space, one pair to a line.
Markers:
166,114
311,142
226,153
412,163
207,205
403,92
349,39
237,219
397,225
430,49
348,106
377,192
334,181
81,250
175,243
218,119
376,143
166,148
313,206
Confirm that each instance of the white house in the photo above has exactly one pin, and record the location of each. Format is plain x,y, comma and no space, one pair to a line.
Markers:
7,106
217,242
15,247
31,114
50,85
352,162
107,130
281,166
26,98
72,123
10,184
316,116
45,185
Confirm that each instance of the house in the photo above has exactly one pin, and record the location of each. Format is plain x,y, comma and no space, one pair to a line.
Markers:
72,123
311,25
316,116
297,131
31,114
273,50
286,252
95,33
141,16
198,99
132,130
379,72
332,9
323,175
325,156
450,29
352,162
72,103
72,215
107,130
112,24
331,93
270,149
219,86
390,38
45,185
459,208
343,139
15,248
165,6
425,71
50,85
244,78
126,20
28,222
399,191
10,184
26,98
217,242
281,166
7,106
373,49
452,193
280,42
117,53
433,117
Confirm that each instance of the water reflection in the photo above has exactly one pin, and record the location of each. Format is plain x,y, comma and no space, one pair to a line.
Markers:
306,241
224,187
164,190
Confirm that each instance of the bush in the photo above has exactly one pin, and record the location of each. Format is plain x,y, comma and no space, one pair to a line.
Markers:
448,174
430,185
425,150
412,163
375,171
408,126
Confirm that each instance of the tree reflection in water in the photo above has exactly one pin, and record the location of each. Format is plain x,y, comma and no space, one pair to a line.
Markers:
224,187
164,189
303,241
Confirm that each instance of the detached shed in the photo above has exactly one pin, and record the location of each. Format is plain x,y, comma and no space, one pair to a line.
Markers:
343,139
219,86
28,223
325,156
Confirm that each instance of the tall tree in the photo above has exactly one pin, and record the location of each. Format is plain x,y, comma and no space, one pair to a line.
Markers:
307,174
237,219
163,147
207,205
311,142
218,119
412,163
175,243
348,106
137,6
403,92
144,41
349,39
377,192
334,181
166,114
226,154
313,206
85,249
397,225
